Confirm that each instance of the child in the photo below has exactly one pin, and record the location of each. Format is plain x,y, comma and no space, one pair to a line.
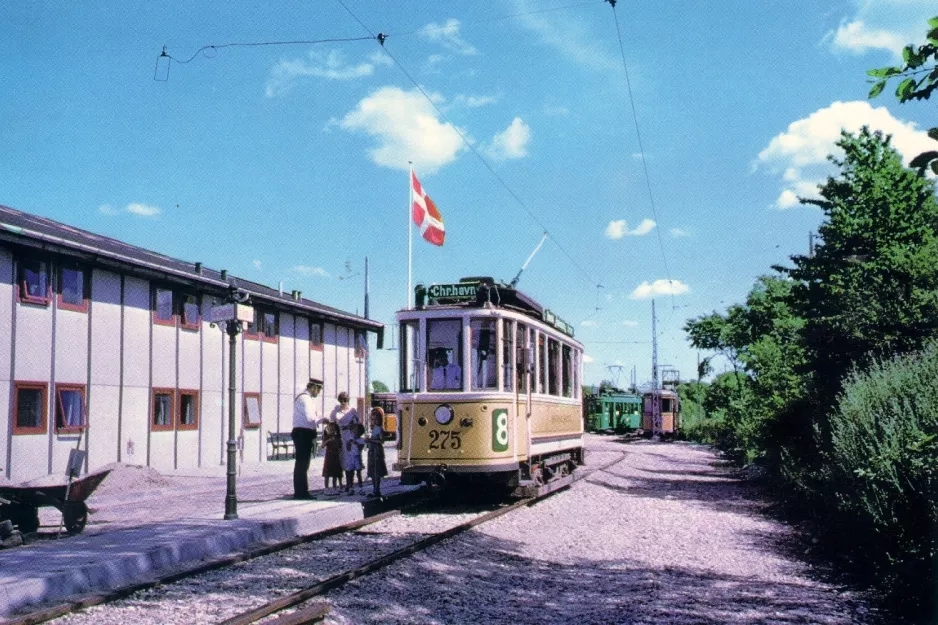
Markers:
332,465
376,466
353,456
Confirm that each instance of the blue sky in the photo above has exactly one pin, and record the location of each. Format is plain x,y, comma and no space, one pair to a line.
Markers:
288,163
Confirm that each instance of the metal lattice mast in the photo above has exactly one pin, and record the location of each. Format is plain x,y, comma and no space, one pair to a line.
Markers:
655,385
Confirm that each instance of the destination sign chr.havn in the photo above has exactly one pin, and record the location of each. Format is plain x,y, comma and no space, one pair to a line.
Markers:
461,291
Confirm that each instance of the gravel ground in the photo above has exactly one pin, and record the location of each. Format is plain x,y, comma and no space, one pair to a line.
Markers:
664,536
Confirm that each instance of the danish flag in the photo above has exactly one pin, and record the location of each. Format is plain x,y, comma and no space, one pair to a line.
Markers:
426,215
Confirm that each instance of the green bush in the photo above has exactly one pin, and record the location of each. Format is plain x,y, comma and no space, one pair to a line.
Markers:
883,471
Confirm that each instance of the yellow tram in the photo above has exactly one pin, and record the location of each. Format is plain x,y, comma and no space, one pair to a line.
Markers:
490,390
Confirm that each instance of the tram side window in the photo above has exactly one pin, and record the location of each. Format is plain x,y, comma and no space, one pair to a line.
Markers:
484,371
507,360
566,363
444,338
553,367
541,364
666,405
520,369
408,351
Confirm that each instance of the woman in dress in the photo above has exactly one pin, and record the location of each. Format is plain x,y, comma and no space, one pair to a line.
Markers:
332,465
377,468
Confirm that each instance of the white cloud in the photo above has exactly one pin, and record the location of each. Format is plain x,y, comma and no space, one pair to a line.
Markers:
630,324
587,359
406,128
447,35
588,323
332,66
571,37
881,25
679,233
647,290
143,210
107,209
306,270
619,228
511,143
257,264
800,153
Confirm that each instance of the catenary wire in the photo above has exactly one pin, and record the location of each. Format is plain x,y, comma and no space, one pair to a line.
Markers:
381,38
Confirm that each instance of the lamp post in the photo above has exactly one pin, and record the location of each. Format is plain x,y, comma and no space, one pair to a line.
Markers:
233,313
231,497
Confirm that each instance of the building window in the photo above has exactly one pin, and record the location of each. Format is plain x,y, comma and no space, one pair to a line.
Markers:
163,404
29,407
188,410
73,288
32,278
70,415
252,410
189,311
163,307
315,335
268,325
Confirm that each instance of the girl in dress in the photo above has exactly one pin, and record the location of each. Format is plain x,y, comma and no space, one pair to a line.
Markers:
332,465
353,456
375,441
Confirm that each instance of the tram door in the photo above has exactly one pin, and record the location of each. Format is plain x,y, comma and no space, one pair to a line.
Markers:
523,378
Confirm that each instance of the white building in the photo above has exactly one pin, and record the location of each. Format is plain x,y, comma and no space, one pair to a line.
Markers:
108,347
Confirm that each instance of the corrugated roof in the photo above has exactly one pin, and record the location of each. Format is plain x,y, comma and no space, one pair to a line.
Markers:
43,231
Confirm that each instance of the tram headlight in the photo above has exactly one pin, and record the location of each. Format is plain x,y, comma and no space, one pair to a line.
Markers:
444,414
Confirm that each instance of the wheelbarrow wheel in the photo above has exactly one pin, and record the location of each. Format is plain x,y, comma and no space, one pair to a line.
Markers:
76,516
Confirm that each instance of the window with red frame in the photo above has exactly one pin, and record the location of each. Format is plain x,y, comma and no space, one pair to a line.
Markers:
32,279
70,415
29,407
73,288
188,410
265,325
189,309
163,404
252,410
315,335
163,313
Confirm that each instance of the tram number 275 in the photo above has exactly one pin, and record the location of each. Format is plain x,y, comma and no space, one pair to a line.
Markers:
445,439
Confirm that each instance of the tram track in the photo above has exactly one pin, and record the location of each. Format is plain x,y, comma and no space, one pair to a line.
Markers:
374,550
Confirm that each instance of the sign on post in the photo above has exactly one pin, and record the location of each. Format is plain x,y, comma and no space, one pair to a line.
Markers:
232,312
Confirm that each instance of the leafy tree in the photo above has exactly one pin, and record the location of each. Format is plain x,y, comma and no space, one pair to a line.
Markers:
919,74
377,386
871,288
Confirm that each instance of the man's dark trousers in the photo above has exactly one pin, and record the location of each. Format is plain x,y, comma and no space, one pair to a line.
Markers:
303,444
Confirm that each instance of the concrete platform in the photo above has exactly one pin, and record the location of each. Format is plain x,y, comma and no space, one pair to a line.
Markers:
158,532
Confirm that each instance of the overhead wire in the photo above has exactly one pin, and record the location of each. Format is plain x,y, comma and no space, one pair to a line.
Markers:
381,38
641,148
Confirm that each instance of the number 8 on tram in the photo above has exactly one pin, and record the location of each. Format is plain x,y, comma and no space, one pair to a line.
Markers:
490,390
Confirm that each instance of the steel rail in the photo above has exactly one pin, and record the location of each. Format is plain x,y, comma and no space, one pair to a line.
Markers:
340,579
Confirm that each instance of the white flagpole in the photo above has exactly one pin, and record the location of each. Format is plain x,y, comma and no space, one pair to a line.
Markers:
410,230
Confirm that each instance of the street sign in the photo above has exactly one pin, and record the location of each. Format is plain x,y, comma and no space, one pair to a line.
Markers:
232,312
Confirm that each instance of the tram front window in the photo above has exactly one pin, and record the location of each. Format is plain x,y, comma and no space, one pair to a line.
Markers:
484,373
444,337
409,349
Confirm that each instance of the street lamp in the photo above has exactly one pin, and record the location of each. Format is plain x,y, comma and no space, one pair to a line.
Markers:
232,314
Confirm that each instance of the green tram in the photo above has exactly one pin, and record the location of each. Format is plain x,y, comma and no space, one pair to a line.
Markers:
619,412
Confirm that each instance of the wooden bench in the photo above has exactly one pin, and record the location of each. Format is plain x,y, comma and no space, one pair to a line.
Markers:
281,446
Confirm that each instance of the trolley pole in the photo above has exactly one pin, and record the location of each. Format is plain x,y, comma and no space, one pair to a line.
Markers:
231,498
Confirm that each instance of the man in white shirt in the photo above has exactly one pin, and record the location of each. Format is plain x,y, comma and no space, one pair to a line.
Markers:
445,376
306,415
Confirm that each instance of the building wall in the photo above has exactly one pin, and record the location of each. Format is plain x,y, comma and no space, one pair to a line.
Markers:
118,354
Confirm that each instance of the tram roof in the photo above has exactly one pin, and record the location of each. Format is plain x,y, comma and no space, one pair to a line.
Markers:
485,292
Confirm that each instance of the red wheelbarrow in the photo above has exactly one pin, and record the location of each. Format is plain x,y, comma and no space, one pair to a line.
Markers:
20,504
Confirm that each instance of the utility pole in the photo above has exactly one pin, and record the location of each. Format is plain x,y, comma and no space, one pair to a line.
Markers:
367,359
656,387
